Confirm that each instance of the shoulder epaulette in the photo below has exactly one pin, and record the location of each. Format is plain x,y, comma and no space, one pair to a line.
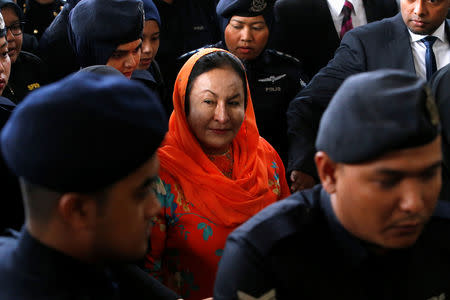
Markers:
283,55
186,55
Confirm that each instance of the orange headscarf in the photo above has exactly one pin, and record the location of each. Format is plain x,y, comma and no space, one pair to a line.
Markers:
222,200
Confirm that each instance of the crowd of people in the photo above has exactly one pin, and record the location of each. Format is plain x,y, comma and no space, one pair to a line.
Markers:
226,149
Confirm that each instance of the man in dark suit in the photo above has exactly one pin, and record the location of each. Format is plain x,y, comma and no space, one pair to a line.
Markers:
390,43
319,38
84,151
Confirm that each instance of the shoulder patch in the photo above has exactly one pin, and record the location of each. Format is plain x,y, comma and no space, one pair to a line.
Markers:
270,295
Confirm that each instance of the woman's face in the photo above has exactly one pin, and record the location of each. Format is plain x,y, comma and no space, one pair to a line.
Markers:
216,109
150,44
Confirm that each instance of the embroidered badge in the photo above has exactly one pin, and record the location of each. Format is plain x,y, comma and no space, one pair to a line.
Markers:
258,6
272,78
270,295
33,86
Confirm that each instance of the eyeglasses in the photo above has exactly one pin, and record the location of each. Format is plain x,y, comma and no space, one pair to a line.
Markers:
16,28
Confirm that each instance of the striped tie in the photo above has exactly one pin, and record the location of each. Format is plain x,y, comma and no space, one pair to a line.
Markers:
347,20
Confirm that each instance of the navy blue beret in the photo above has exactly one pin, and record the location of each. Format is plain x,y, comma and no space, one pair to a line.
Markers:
97,27
83,133
376,112
102,70
440,85
13,5
151,12
244,8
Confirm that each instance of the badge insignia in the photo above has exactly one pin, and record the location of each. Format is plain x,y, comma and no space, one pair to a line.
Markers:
258,6
270,295
272,78
431,107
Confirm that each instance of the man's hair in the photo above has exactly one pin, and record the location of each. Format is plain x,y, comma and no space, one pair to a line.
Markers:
40,202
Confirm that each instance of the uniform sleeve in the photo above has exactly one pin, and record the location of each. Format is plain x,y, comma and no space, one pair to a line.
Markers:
242,273
153,259
305,111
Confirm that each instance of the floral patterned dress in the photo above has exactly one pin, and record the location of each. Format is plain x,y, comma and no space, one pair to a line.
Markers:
185,246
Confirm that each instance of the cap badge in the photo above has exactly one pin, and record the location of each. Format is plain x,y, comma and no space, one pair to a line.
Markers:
258,6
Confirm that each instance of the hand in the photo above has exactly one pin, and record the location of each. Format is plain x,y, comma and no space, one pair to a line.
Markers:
301,181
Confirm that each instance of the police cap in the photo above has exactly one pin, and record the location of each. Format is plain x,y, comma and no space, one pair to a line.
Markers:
83,133
376,112
151,12
97,27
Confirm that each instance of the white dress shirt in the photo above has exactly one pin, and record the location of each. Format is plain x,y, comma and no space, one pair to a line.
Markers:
358,14
441,49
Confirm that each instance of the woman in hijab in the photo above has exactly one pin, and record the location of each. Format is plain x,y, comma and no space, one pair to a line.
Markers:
216,172
148,70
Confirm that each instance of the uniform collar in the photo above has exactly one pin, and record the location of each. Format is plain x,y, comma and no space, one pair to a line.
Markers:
351,247
56,268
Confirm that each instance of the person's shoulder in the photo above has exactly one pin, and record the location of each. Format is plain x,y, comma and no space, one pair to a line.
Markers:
8,244
282,57
380,28
184,57
288,217
29,58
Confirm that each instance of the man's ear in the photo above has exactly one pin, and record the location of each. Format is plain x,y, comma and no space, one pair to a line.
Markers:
78,211
326,168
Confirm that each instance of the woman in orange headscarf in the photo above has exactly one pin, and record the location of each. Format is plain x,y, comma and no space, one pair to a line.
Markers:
216,172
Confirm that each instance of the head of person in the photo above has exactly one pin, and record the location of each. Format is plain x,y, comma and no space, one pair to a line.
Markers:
245,26
379,157
215,99
150,35
13,18
107,32
84,150
5,61
424,16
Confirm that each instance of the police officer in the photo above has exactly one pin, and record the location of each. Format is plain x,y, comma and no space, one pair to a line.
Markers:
148,70
116,40
186,25
54,46
368,232
39,14
28,72
86,172
274,77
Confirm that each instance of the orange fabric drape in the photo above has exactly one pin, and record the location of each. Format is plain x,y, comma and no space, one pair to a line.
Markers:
222,200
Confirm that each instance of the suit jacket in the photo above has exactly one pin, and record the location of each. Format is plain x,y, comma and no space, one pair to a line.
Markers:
382,44
318,39
31,270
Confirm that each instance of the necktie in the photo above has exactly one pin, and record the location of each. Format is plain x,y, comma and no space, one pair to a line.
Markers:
430,59
347,20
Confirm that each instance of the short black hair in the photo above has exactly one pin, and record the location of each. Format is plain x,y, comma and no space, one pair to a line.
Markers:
215,60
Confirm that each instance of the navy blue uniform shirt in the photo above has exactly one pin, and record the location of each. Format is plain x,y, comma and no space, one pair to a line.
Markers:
296,249
31,270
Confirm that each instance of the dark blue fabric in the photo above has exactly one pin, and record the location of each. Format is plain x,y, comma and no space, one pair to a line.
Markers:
430,59
441,89
97,27
32,270
69,136
376,112
151,12
378,45
296,249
